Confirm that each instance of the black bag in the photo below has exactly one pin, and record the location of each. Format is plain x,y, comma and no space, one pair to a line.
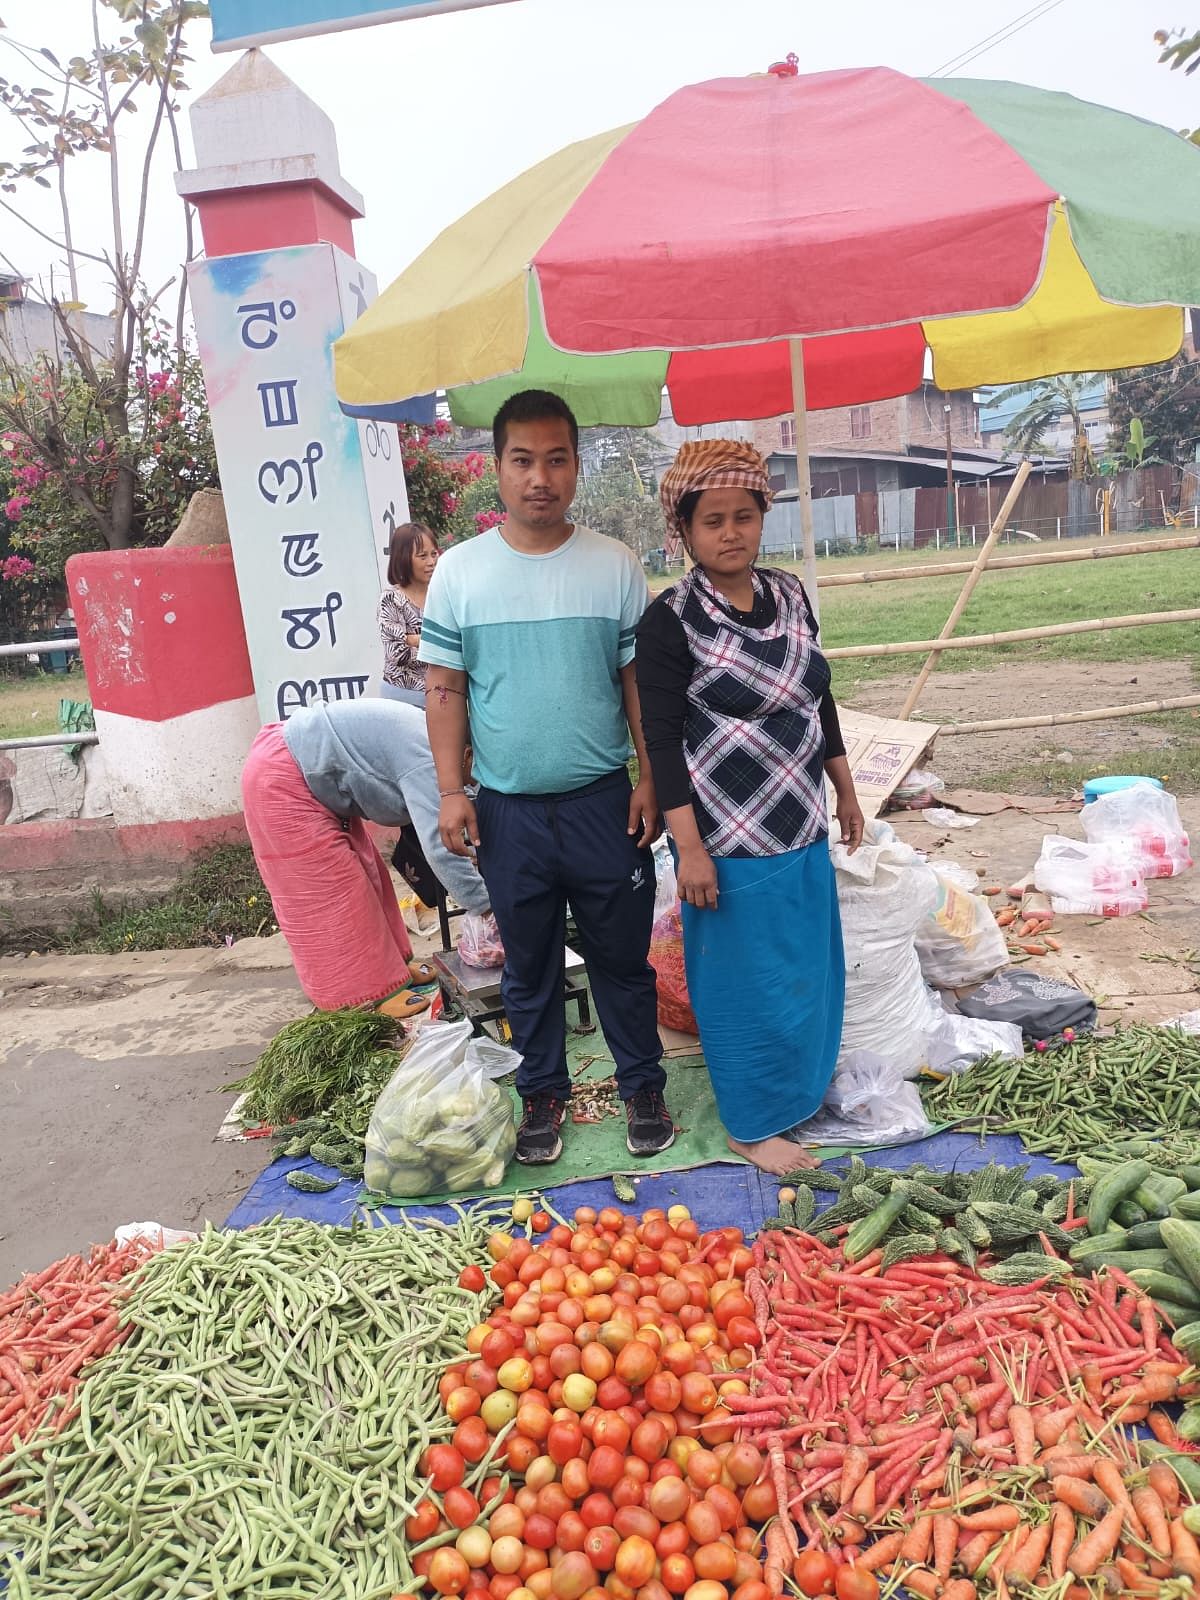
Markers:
409,861
1041,1007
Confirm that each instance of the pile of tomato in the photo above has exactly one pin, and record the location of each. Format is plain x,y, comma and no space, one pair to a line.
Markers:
603,1372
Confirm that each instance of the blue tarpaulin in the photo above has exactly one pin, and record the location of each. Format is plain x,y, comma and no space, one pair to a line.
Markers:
722,1194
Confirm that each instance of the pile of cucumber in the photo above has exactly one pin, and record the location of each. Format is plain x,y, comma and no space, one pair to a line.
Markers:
1144,1219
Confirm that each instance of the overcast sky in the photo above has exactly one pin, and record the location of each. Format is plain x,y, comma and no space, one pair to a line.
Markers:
433,114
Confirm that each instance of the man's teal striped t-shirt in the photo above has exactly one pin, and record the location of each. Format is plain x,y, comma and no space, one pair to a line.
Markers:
542,639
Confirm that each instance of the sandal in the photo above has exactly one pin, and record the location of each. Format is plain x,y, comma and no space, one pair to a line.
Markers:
404,1003
421,972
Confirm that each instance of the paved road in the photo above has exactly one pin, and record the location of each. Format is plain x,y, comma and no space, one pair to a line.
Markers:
109,1067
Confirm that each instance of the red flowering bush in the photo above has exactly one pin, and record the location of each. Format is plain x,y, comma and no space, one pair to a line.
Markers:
454,495
57,504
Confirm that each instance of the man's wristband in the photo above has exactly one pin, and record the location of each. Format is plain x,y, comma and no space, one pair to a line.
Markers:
447,794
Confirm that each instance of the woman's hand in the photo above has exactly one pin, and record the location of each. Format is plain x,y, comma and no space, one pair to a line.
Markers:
850,820
413,640
696,879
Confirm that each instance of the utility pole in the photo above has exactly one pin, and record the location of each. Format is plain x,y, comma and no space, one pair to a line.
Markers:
950,518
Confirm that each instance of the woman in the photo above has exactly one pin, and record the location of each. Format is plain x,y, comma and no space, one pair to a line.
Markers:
741,731
412,556
309,787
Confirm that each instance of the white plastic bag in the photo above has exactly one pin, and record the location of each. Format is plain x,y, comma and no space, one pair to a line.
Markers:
959,942
885,893
442,1123
154,1232
479,941
868,1102
1089,880
1144,821
959,1042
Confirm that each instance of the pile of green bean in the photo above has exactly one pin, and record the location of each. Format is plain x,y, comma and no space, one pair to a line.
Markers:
1069,1099
259,1434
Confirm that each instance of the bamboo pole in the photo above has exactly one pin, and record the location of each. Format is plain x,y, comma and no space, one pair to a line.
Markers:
968,588
948,569
1054,630
804,476
1055,718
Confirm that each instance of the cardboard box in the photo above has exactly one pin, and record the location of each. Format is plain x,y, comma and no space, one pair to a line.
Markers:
881,751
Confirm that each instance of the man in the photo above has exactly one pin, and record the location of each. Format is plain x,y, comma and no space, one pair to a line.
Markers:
529,629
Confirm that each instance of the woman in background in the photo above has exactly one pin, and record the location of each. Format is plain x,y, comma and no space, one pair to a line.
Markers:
412,556
742,732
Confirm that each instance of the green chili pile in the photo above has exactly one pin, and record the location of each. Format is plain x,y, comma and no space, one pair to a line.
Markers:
259,1433
1071,1099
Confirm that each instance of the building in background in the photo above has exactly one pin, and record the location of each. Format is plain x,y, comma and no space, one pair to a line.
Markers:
912,423
28,327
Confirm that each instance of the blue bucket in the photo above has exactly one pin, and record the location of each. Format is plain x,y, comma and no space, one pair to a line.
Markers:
1095,787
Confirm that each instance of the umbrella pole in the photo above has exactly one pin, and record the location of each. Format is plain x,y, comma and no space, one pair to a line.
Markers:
803,475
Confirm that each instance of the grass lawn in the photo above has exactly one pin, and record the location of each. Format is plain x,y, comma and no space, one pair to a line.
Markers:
30,705
1025,598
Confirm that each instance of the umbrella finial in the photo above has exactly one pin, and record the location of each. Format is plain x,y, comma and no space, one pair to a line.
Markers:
788,68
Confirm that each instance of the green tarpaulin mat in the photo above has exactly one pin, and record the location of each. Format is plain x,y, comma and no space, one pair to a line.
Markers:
598,1149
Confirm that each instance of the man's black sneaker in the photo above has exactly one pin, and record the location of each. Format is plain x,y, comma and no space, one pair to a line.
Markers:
649,1125
538,1138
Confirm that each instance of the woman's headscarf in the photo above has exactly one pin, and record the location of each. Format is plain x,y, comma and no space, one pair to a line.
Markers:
711,464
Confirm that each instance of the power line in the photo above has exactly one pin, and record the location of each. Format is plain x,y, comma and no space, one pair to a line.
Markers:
1001,36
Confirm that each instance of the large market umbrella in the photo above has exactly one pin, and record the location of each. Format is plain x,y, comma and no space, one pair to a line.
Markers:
784,242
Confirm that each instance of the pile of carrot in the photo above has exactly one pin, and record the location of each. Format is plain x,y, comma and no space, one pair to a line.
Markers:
972,1431
53,1324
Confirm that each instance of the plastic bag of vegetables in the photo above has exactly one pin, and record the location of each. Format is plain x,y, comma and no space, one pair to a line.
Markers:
442,1123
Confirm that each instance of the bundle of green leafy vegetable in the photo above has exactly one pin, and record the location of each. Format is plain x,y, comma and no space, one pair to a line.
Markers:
317,1062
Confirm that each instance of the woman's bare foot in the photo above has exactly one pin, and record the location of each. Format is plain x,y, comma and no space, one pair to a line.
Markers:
777,1155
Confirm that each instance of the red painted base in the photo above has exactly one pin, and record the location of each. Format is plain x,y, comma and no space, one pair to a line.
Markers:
160,631
99,842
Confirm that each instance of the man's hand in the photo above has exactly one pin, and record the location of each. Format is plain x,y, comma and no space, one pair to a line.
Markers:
850,820
696,879
644,815
457,824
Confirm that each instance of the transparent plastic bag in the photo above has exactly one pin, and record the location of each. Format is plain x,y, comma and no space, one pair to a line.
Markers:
479,941
916,790
869,1101
666,949
666,893
1144,821
442,1123
1089,880
959,942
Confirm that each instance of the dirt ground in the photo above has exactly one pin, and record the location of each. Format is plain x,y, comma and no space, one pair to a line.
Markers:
1022,689
110,1065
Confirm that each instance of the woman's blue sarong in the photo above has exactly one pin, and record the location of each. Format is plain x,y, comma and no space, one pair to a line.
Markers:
766,977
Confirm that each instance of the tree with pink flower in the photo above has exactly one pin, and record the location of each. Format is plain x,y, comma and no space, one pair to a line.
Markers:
102,447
